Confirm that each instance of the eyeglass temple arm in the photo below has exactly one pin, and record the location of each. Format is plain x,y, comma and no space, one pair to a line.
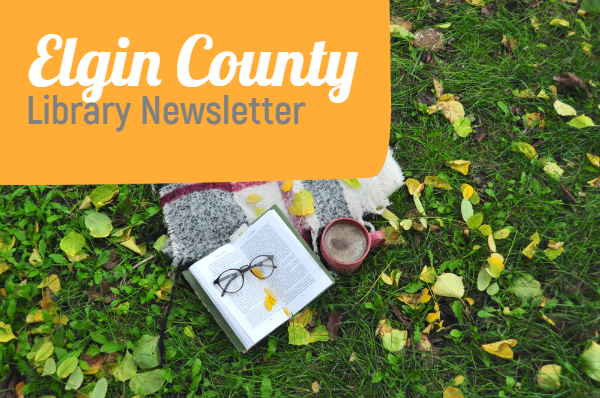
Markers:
231,278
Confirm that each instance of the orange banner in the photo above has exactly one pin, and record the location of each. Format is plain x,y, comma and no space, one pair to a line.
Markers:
193,91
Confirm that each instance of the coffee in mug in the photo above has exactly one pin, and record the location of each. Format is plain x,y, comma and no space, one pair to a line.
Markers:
345,242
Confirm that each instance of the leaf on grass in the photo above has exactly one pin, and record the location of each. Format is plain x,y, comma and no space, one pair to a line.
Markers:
392,235
94,363
67,367
72,243
535,23
103,194
452,392
131,245
530,249
452,110
526,149
254,198
438,87
549,377
86,204
543,95
535,119
491,243
587,49
559,22
581,122
461,166
526,288
319,333
462,126
466,209
100,389
554,249
433,316
297,335
590,361
35,257
121,235
428,274
476,3
287,185
49,367
6,333
3,268
594,160
145,353
303,204
467,190
394,340
412,300
437,182
388,215
563,109
126,369
75,380
501,348
52,282
315,387
553,170
524,94
496,266
502,234
510,43
159,244
353,182
475,220
99,224
448,285
414,186
386,279
483,279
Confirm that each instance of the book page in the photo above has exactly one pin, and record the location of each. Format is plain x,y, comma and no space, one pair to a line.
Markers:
298,278
244,310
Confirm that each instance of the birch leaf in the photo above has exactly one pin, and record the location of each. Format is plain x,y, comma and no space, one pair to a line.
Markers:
52,282
462,126
428,274
386,279
287,185
353,182
448,285
6,333
558,21
254,198
49,367
303,204
99,224
414,186
502,234
594,160
461,166
388,215
485,230
103,194
590,361
496,266
501,348
75,380
526,288
475,220
526,149
563,109
580,122
483,280
553,170
72,243
466,209
549,377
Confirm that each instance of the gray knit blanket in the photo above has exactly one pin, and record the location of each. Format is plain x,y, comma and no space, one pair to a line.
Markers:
201,217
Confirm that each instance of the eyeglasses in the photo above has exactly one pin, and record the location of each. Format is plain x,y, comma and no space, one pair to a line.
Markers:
232,280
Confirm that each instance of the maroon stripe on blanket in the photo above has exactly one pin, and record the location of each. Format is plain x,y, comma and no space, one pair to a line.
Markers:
205,186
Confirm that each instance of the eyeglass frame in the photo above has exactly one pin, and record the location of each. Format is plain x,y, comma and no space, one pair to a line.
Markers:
242,271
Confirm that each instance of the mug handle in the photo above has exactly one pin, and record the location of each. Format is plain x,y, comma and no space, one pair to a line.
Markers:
377,238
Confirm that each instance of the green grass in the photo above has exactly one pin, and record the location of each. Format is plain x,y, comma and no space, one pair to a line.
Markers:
517,193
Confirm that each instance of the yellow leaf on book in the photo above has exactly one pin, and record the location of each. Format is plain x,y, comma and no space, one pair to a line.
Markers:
287,312
268,303
257,272
270,294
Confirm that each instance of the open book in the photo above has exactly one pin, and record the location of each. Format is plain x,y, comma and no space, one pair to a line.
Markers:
299,277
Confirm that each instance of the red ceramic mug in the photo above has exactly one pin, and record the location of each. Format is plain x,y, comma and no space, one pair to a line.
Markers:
373,239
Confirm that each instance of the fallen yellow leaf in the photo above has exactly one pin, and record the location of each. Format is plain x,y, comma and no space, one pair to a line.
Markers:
469,300
257,272
501,348
594,160
315,387
534,117
564,109
6,333
254,198
259,211
433,316
461,166
270,293
558,21
3,268
287,185
595,182
437,182
439,89
287,312
526,149
411,299
414,186
468,191
353,182
269,303
303,204
549,377
428,274
496,266
458,380
452,392
51,282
